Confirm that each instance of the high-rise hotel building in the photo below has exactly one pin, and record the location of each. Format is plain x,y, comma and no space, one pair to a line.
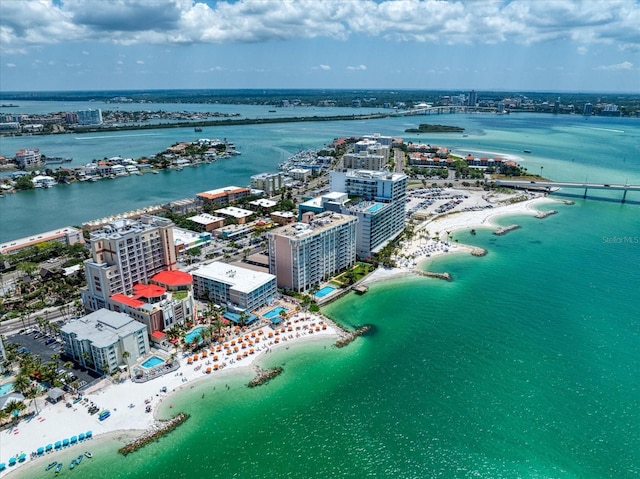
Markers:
125,253
380,206
302,255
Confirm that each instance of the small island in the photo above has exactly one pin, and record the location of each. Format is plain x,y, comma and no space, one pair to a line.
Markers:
426,128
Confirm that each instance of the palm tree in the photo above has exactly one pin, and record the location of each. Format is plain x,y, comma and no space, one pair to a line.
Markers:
32,393
3,415
105,368
13,408
21,383
125,356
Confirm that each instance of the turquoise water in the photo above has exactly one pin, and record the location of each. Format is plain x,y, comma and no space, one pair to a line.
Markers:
525,366
325,290
567,147
193,335
153,361
6,388
275,312
375,207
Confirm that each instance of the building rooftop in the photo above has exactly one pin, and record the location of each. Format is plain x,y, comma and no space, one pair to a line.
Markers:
220,192
235,212
173,278
265,203
239,279
103,327
205,219
52,235
321,222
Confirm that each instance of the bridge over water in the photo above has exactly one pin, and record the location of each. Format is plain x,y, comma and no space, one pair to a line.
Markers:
549,185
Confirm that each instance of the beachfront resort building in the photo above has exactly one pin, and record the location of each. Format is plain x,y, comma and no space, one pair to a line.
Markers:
380,208
125,253
99,340
302,255
236,288
163,303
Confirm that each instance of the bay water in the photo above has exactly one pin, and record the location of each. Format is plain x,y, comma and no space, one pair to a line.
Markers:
525,366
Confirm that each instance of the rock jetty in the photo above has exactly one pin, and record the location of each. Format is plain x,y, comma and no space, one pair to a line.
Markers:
351,336
432,274
505,229
159,429
478,252
264,375
544,214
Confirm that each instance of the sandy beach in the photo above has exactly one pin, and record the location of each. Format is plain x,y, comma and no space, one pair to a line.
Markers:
128,400
432,236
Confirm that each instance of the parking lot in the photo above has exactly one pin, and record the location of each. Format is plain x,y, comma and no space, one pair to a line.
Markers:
46,346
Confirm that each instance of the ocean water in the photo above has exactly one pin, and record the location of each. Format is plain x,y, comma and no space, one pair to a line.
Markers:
566,147
525,366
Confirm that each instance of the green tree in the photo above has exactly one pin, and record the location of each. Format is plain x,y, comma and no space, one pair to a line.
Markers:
24,183
125,356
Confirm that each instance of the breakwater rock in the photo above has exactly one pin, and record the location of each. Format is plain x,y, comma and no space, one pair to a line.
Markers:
505,229
478,252
158,430
544,214
351,336
431,274
264,375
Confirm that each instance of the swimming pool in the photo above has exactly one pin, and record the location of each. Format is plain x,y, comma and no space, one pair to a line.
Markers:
6,388
193,336
152,361
321,293
275,312
375,207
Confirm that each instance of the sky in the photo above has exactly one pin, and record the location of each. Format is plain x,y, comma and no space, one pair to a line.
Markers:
519,45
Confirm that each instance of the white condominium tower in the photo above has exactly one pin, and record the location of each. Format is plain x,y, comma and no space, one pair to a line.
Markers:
379,205
302,255
125,253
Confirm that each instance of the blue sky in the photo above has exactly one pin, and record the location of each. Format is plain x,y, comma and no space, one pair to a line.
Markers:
521,45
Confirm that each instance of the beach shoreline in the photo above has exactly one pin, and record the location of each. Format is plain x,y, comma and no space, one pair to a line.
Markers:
128,400
442,227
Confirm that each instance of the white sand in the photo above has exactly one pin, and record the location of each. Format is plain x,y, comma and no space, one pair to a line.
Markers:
57,422
414,252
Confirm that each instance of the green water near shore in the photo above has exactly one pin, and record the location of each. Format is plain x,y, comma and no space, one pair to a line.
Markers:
526,365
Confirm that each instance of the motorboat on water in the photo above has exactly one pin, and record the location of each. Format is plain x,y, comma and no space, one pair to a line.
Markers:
58,468
88,454
51,465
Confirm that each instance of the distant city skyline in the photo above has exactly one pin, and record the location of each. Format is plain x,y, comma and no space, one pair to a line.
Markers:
519,45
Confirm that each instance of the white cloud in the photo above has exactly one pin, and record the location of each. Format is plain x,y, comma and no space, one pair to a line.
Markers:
119,62
582,50
84,52
359,67
324,67
139,62
38,22
11,65
617,66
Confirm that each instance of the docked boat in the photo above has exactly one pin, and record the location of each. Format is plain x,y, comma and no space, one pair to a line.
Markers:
527,151
88,454
78,459
58,468
51,466
197,130
73,464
